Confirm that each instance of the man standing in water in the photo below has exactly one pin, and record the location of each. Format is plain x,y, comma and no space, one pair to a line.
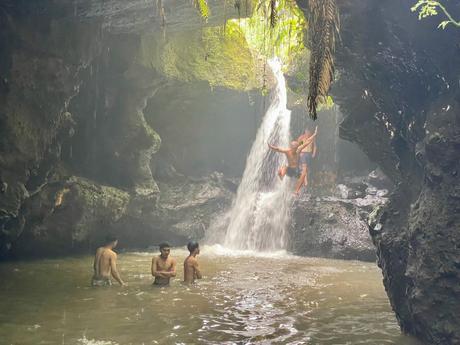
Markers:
163,266
307,151
105,264
191,269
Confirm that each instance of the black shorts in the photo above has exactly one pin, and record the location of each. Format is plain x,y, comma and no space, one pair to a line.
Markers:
292,172
305,158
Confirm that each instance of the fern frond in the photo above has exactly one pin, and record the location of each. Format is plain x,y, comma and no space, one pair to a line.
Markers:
324,26
203,7
273,13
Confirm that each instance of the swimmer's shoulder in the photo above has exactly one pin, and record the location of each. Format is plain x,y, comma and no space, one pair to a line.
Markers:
188,259
99,251
108,253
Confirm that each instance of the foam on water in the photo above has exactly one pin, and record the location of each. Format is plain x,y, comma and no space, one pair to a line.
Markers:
221,250
85,341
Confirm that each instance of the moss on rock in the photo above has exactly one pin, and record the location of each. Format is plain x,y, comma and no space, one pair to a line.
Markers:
221,58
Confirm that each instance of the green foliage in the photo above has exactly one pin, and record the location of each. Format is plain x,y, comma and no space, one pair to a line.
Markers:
276,28
203,7
327,104
428,8
205,55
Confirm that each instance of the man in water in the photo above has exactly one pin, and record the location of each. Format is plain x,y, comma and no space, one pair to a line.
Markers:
191,269
292,157
163,266
105,264
307,149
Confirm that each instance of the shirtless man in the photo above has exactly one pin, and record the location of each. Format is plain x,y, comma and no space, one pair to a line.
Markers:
163,266
105,264
292,157
307,150
191,269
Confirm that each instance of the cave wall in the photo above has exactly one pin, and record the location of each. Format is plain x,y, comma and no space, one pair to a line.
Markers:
398,89
204,129
75,145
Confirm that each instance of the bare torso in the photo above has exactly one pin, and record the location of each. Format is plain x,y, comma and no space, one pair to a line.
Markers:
191,271
292,157
163,265
102,263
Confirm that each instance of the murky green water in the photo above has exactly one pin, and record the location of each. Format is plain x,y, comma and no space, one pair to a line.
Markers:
241,300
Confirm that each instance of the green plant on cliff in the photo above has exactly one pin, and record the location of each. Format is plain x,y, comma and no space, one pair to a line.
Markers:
429,8
324,25
203,8
276,28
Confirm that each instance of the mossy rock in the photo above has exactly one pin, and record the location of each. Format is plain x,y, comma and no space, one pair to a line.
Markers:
222,58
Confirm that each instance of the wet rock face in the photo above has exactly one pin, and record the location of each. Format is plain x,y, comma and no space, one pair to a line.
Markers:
334,225
331,228
75,78
399,91
39,65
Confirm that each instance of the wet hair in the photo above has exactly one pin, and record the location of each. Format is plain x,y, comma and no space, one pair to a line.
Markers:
192,245
164,245
109,238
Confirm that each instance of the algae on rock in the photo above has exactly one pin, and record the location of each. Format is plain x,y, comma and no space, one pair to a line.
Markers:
210,54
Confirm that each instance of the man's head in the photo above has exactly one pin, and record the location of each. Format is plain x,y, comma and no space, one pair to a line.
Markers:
110,241
294,144
193,247
165,249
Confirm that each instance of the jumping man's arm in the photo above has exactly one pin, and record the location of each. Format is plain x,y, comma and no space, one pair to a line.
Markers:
277,149
113,268
308,141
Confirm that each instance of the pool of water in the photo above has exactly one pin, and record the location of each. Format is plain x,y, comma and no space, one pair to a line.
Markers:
244,298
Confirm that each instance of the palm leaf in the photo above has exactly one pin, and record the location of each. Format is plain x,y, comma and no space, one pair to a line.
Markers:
273,13
324,27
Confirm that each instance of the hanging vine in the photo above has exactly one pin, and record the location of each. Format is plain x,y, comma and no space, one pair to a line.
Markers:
324,26
428,8
203,8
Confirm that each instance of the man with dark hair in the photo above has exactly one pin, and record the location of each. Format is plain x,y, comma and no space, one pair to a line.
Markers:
105,264
191,268
163,266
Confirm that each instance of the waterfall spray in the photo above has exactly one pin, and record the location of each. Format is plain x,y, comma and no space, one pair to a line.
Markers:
260,212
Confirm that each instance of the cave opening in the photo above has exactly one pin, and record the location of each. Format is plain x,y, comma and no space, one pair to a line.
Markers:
141,118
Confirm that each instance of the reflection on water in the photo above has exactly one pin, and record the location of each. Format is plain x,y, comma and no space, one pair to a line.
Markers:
243,299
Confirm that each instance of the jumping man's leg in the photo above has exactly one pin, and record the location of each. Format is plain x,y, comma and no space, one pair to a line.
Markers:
282,171
306,176
301,179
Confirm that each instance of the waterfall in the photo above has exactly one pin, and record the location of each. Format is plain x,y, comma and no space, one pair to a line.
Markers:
260,212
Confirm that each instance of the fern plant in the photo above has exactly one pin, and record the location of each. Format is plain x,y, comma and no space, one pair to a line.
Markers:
428,8
324,25
203,8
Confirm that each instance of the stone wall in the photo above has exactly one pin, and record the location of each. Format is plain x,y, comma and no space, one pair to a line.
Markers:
75,146
398,88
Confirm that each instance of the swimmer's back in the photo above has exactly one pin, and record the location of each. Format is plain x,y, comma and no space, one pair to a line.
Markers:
103,258
191,271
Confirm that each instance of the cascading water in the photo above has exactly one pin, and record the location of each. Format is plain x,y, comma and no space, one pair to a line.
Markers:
260,211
